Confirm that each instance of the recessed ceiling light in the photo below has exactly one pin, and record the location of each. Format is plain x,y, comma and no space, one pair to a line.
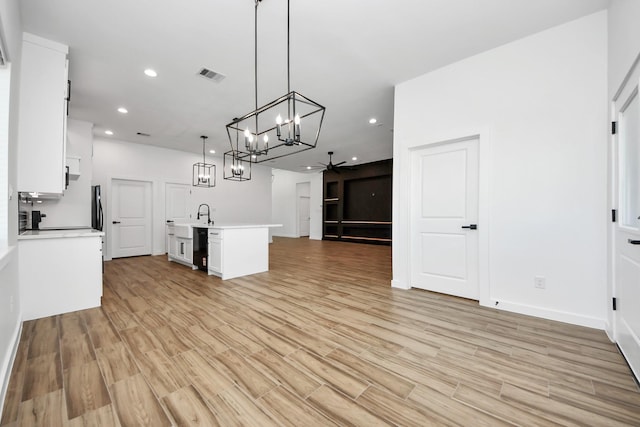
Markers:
373,120
151,73
212,151
123,110
308,167
108,132
354,158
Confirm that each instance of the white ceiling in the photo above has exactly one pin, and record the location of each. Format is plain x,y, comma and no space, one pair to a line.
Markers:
345,54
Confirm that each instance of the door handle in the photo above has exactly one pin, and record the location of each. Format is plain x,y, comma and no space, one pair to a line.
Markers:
169,221
471,226
634,242
115,222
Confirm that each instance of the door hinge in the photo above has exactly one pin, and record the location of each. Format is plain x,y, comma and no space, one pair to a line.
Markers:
614,215
614,127
614,303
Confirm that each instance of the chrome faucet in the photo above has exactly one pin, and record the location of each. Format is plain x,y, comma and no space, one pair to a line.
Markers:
208,213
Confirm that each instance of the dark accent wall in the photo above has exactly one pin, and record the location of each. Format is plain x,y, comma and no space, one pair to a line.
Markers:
357,203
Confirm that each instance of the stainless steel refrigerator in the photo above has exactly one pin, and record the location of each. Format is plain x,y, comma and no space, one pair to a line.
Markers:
97,216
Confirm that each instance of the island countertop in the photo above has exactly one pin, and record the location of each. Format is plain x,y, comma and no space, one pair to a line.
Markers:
228,225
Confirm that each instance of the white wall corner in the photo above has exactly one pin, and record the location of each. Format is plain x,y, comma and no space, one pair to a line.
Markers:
399,284
608,329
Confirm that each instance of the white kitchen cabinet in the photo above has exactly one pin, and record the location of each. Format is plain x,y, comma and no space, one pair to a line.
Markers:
42,116
238,250
215,251
184,250
59,274
180,244
171,243
73,163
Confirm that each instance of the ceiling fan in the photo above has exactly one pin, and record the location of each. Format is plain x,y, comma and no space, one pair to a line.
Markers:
330,166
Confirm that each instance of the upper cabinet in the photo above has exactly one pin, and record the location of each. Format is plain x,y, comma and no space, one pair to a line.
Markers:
43,115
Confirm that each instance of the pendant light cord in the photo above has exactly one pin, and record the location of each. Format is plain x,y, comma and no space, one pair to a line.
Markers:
288,55
255,57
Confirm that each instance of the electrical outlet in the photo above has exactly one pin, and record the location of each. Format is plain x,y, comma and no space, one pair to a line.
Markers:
539,282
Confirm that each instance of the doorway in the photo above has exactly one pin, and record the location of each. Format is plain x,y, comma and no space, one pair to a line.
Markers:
131,218
444,212
303,208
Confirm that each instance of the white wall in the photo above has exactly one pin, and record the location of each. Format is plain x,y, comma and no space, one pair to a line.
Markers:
624,48
539,105
10,26
284,206
248,201
74,207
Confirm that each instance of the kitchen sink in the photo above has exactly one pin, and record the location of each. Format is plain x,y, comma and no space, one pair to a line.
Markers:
180,230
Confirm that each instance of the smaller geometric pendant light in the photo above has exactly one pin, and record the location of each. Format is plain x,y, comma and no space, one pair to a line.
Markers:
204,174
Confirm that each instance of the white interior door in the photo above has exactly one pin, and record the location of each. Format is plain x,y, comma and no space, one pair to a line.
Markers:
444,215
627,228
304,215
177,202
131,219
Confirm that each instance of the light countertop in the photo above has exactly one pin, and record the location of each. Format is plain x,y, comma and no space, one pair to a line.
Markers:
58,234
229,225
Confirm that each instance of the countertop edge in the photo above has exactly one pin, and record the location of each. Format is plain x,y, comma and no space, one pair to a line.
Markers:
58,234
230,226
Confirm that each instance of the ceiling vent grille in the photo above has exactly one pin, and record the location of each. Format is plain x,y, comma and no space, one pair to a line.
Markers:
211,75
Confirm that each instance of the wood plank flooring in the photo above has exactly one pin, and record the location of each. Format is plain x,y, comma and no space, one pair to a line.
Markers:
320,339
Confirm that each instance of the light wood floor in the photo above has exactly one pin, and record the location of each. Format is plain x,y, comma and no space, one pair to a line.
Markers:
321,339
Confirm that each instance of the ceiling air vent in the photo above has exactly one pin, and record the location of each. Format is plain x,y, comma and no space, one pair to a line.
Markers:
211,75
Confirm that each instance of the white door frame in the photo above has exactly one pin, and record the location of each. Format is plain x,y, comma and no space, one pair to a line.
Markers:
484,139
612,326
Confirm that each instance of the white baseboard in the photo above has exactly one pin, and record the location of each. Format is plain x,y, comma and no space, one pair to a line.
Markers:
399,285
291,236
545,313
7,363
609,331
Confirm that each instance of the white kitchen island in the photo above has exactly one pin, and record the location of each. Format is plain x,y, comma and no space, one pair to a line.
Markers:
235,250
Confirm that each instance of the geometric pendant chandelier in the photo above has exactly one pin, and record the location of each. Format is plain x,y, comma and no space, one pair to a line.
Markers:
204,174
287,125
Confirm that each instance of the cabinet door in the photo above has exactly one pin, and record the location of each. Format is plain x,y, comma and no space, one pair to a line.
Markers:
172,245
42,119
188,255
182,248
215,255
